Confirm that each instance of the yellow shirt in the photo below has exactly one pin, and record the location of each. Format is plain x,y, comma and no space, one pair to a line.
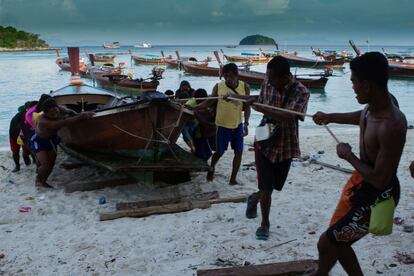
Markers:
229,112
36,116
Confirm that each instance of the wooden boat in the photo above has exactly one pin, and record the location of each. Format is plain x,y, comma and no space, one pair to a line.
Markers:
120,123
118,82
113,45
255,58
298,61
251,77
148,60
175,63
396,68
127,123
397,56
63,62
143,45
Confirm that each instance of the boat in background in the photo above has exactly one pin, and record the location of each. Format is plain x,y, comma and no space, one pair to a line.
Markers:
143,45
330,55
63,62
318,81
246,57
119,123
398,56
116,81
148,59
98,59
113,45
396,69
175,63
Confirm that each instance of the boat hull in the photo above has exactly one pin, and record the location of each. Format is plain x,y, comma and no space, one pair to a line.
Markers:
149,61
246,59
130,127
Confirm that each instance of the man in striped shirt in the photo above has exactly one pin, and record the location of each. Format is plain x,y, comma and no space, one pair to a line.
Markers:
273,156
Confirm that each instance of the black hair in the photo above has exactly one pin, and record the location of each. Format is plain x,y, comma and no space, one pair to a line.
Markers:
184,82
200,93
169,93
230,67
43,98
279,66
49,104
371,66
30,104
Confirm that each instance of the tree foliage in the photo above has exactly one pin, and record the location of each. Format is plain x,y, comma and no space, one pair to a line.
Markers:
12,38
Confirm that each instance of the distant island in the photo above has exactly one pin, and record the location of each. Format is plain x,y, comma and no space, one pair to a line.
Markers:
14,40
257,40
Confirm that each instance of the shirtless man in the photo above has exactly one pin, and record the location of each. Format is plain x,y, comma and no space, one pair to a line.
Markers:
383,129
44,142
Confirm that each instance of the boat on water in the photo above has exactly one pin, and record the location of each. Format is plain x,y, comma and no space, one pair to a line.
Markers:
246,57
401,56
330,55
120,123
251,77
175,63
397,69
113,45
143,45
147,59
299,61
63,62
125,83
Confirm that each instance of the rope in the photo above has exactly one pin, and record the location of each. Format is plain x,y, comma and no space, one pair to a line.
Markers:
137,136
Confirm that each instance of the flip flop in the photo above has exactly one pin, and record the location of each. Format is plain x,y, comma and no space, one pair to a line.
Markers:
262,233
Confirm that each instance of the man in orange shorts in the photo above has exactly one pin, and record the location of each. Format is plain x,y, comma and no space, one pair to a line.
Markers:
383,129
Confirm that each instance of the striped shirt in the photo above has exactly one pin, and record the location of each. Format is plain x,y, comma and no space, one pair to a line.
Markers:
287,145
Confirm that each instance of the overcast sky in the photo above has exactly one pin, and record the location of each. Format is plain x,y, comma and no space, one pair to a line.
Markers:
213,21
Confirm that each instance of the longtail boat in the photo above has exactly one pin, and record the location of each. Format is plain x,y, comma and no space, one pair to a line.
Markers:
298,61
175,63
330,55
113,45
396,68
248,57
149,59
119,124
63,62
251,77
118,82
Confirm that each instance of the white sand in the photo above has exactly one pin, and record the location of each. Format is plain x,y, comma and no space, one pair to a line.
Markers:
63,236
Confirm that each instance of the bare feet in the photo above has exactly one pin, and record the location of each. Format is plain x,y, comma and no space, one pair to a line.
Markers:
16,169
233,182
210,174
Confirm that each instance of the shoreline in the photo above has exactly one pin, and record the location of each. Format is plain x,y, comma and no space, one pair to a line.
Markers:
8,50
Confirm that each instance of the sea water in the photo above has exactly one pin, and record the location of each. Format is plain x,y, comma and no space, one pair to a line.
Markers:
24,76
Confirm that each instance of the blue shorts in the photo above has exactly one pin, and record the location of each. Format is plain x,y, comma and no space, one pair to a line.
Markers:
38,144
227,135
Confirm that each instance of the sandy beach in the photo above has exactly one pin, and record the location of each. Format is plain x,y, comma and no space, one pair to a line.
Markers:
62,234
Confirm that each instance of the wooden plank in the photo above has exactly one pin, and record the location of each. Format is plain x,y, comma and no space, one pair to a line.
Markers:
168,208
164,201
302,267
95,185
153,210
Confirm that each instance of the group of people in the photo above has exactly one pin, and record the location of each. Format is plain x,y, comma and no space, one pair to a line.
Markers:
34,129
383,130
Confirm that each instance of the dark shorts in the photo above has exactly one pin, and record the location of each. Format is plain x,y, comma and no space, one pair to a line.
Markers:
354,225
227,135
270,175
189,130
38,144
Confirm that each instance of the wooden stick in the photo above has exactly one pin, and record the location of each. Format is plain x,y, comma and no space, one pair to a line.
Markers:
288,111
199,99
279,244
313,161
